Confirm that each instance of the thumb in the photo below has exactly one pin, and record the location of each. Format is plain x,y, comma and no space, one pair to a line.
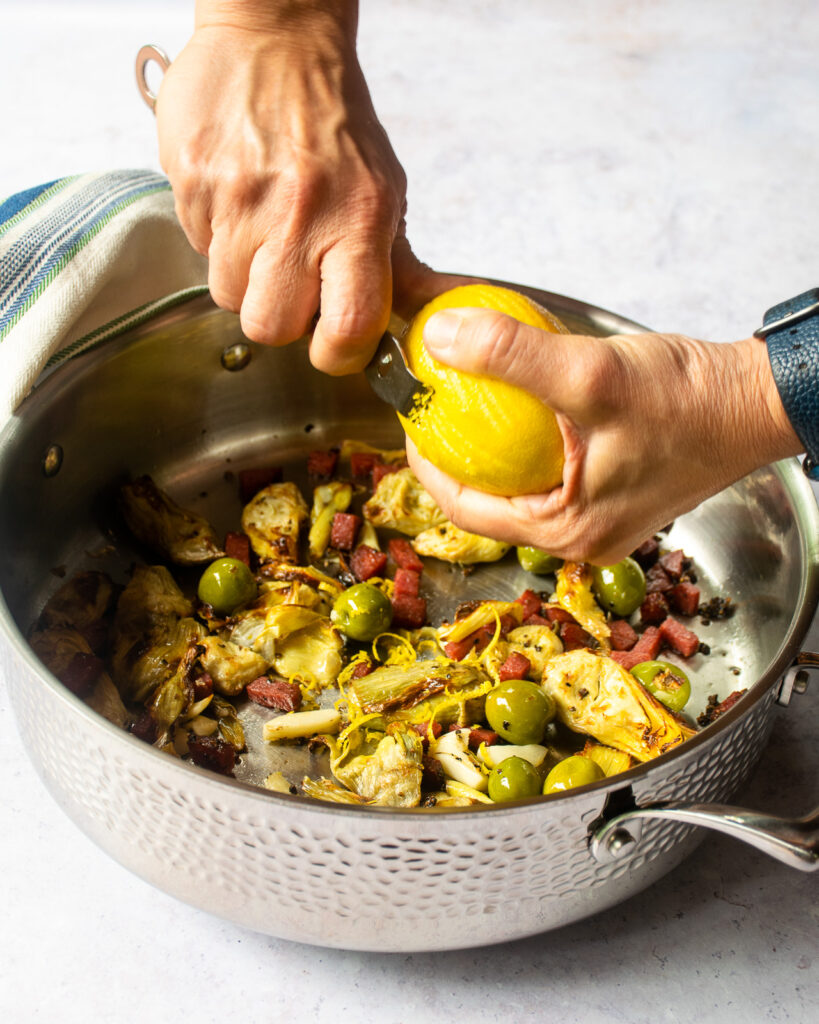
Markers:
485,342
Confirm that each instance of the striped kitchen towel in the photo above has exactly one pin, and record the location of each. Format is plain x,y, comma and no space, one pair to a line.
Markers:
81,260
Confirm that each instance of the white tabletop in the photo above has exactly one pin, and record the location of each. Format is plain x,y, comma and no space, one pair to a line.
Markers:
659,159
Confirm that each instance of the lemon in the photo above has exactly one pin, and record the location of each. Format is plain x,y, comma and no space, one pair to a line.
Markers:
481,431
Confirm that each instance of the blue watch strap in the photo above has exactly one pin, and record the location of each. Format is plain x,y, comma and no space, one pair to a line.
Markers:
791,332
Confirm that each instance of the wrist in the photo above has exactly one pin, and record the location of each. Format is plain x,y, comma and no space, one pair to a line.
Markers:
335,17
763,432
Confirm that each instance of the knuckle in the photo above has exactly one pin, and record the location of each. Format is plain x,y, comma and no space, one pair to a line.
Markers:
497,341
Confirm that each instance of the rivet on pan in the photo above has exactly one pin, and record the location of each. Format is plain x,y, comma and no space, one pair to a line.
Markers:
236,357
620,842
53,460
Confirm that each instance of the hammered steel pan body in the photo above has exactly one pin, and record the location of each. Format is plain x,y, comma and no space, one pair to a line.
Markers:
170,399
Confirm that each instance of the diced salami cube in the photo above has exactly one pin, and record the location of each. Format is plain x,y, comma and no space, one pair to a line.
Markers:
536,620
658,580
363,668
556,614
531,603
409,612
647,553
366,562
623,637
481,735
213,753
457,649
237,545
574,636
685,598
674,563
407,582
251,481
654,609
679,637
344,530
423,729
516,666
380,470
628,659
649,645
432,773
274,693
322,464
403,554
202,686
361,464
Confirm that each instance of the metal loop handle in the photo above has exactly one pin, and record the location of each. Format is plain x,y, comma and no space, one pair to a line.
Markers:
146,54
794,841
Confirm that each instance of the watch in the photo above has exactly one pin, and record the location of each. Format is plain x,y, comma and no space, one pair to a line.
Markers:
791,332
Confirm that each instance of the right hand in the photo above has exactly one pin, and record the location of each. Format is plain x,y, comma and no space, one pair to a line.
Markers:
285,179
652,424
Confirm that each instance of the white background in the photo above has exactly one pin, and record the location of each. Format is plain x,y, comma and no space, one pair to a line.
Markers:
660,159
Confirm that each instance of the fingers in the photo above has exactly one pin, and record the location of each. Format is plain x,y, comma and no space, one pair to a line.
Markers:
356,298
415,283
561,369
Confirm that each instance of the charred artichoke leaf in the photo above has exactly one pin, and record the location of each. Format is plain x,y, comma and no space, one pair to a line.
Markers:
230,728
312,654
391,775
273,519
328,499
152,629
573,593
57,647
158,522
486,614
537,643
401,503
230,665
596,696
394,687
81,603
612,761
450,543
325,789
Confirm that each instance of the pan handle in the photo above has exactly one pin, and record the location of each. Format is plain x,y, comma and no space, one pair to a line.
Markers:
146,55
794,841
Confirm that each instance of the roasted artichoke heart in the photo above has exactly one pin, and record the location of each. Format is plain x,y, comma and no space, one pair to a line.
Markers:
158,522
272,520
401,503
230,665
595,695
81,603
573,593
452,544
391,775
312,654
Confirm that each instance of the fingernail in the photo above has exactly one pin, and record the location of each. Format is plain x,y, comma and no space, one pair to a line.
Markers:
440,330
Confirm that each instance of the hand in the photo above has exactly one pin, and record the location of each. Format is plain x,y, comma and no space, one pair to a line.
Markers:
284,177
652,424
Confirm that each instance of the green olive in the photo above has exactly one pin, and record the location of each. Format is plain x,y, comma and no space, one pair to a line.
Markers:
667,682
572,772
620,588
226,584
519,711
362,612
541,563
513,779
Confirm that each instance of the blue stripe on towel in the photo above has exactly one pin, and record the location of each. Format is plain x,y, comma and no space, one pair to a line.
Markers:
30,264
17,203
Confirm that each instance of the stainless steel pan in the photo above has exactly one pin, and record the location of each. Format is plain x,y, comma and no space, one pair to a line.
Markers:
187,399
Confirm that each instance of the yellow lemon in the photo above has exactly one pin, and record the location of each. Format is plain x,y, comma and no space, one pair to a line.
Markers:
479,430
